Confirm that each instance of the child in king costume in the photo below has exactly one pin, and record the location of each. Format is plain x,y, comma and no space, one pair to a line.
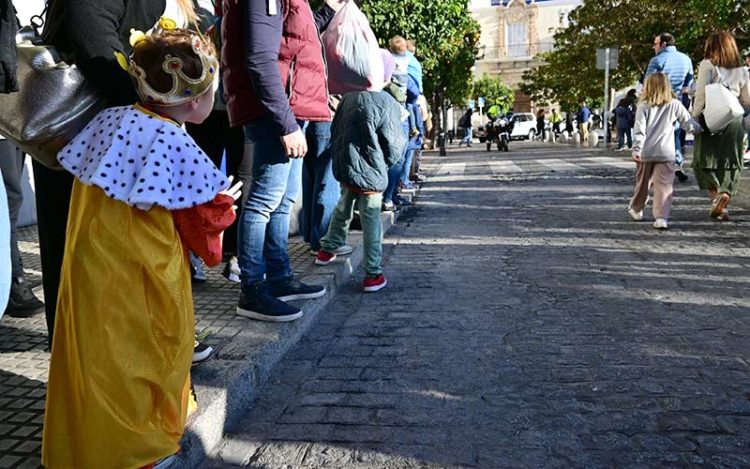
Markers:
144,195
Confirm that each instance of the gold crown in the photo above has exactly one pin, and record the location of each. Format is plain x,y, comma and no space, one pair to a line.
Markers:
184,88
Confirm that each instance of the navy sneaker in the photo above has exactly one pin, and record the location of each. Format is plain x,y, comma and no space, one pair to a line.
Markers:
257,302
292,289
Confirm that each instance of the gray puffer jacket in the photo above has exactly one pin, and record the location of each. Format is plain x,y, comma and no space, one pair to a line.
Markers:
366,139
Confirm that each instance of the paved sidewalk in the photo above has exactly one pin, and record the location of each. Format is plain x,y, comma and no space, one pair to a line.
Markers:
527,323
245,351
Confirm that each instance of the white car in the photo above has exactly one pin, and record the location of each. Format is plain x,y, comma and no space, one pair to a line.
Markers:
524,126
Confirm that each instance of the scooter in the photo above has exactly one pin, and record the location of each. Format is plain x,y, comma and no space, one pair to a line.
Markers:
504,129
498,132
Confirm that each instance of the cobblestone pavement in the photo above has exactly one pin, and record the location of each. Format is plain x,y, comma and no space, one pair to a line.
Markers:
24,357
527,323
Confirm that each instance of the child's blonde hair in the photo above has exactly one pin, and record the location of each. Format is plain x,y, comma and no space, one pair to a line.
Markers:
397,45
187,8
657,90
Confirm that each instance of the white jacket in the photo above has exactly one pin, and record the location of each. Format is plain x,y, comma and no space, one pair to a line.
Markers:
653,133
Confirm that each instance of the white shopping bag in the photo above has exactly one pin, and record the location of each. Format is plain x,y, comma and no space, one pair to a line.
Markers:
722,106
352,52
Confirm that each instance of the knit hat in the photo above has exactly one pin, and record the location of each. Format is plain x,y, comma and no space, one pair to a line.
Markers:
389,65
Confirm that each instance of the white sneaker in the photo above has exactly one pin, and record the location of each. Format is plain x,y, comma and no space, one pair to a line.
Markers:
636,216
660,224
201,352
232,270
199,275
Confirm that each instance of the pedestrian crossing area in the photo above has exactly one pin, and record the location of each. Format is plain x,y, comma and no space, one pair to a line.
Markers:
508,166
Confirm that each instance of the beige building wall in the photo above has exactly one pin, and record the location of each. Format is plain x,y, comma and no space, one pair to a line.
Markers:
514,32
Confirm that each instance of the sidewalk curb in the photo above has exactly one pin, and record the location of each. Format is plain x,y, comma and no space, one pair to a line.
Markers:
227,385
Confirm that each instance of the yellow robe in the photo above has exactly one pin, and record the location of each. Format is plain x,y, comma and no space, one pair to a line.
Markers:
119,373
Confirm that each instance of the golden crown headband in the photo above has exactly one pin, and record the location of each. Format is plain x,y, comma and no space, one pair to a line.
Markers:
184,88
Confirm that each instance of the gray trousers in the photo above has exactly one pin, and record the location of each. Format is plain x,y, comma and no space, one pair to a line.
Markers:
11,165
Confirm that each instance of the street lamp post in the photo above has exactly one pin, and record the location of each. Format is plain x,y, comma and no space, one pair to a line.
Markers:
443,125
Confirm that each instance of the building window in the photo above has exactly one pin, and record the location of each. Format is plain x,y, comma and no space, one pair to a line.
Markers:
517,40
564,18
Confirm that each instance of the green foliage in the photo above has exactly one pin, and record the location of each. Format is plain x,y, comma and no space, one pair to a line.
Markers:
495,92
570,74
446,36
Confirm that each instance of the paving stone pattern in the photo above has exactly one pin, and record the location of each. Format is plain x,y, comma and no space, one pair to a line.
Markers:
527,323
24,357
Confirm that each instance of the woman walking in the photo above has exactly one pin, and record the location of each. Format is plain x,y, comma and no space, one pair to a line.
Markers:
718,156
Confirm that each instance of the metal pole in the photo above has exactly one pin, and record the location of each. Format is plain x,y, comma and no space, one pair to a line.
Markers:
443,127
605,106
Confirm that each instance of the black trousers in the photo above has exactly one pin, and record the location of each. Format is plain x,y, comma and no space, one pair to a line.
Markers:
215,136
11,165
53,190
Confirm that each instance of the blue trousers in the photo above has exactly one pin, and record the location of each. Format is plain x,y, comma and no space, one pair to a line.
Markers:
264,223
320,190
394,177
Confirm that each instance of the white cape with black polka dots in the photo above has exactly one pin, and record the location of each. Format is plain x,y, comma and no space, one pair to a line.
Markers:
143,160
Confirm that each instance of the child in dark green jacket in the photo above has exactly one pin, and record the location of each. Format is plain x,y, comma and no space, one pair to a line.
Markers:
366,140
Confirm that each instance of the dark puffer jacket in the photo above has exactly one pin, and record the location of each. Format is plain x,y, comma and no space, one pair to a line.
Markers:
366,139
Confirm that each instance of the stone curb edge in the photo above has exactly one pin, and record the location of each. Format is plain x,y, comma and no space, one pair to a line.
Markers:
236,379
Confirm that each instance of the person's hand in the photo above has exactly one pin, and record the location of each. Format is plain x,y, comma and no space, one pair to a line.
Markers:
235,191
637,157
336,5
295,144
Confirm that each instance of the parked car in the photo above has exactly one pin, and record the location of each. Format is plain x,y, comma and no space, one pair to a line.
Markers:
524,126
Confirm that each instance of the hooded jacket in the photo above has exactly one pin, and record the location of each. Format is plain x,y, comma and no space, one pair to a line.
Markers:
366,139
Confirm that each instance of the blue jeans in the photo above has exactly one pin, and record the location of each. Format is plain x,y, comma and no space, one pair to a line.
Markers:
467,136
678,157
623,134
394,177
264,223
406,168
320,190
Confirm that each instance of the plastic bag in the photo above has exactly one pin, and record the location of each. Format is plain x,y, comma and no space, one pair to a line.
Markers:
352,52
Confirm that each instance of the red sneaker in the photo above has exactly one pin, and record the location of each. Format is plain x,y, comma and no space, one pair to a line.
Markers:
373,284
324,257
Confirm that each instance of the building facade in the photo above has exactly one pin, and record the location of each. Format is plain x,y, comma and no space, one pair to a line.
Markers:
514,33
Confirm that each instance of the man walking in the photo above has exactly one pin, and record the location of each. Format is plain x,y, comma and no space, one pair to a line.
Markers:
275,83
679,68
583,117
465,122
